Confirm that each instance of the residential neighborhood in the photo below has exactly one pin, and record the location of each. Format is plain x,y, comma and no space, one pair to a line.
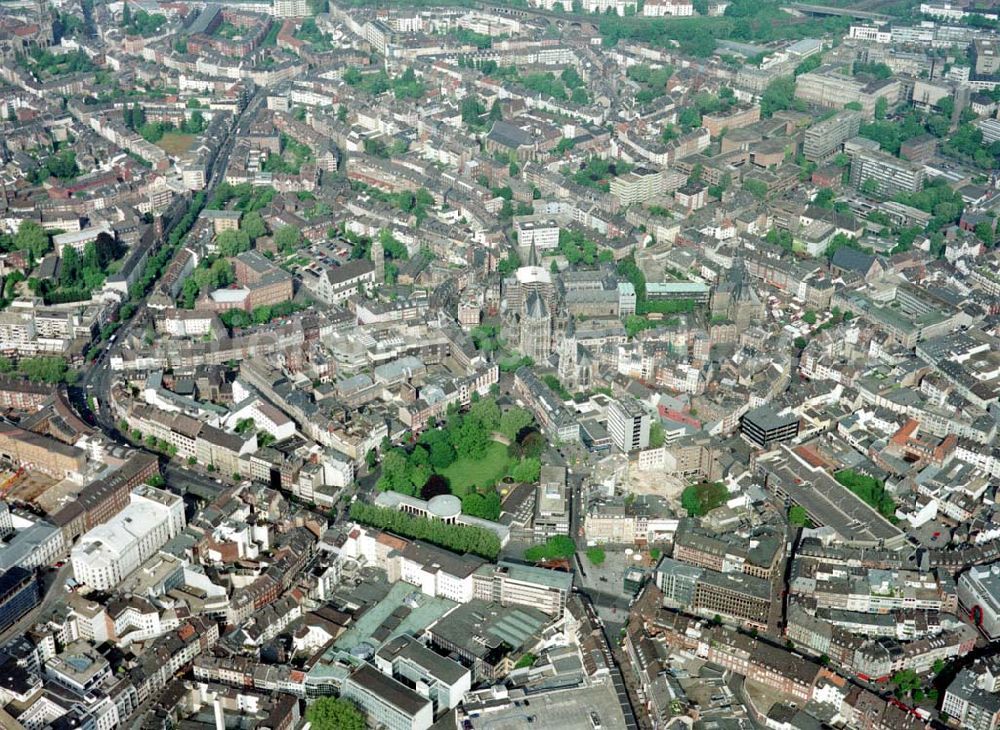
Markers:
591,365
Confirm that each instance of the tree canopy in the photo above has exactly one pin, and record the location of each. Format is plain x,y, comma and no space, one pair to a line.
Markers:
231,243
458,538
42,369
700,499
31,237
527,471
513,420
288,238
485,506
557,547
778,96
333,713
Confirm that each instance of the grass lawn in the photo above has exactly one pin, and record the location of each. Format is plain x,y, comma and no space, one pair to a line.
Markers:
465,473
176,143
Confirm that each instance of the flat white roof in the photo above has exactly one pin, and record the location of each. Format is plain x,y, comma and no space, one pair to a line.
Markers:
229,295
87,234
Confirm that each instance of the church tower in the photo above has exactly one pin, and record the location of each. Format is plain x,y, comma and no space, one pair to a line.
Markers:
378,258
567,351
45,23
536,328
531,277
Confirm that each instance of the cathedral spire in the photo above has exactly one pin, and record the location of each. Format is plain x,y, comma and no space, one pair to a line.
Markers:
532,255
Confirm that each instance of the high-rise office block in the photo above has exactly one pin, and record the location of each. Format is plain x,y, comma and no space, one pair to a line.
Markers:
6,523
18,594
628,424
824,139
291,8
885,175
764,427
743,598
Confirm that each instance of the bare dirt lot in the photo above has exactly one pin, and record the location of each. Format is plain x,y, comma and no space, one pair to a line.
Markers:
655,482
28,487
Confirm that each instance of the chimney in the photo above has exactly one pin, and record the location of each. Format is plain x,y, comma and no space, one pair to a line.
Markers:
220,718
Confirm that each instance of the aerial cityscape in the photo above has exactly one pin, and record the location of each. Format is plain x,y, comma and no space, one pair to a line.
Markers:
470,365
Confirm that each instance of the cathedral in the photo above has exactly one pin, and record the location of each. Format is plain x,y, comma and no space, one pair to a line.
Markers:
538,309
736,299
530,300
535,317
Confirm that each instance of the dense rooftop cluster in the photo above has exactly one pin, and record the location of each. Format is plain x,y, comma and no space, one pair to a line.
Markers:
601,364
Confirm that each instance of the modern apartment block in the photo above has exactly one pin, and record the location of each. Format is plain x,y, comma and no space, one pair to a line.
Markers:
971,701
871,33
291,8
551,503
891,174
826,138
986,57
638,186
542,234
628,424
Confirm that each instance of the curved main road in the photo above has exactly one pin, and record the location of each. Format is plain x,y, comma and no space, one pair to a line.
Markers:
97,380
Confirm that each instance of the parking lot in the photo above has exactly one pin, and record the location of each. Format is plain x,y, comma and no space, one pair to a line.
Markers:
933,534
570,708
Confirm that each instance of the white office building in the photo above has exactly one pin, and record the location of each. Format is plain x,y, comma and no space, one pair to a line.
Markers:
628,424
387,703
433,676
543,234
107,554
663,8
291,8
